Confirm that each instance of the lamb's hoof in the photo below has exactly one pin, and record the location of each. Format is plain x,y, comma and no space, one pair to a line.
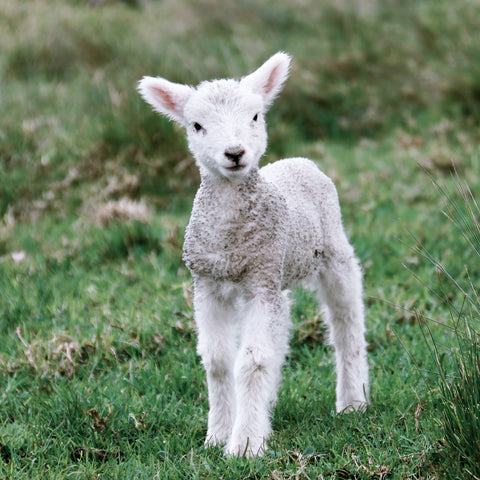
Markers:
353,406
246,449
213,440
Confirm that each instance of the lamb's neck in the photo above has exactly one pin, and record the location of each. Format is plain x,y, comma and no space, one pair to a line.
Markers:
223,186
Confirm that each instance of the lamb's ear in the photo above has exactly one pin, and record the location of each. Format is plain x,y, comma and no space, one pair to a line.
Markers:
165,97
268,80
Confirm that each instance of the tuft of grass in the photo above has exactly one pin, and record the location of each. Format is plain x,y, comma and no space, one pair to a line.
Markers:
460,407
458,365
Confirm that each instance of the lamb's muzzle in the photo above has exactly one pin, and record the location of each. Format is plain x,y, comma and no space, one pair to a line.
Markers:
235,155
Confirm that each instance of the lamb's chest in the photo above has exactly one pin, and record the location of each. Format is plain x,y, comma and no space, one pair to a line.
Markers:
228,248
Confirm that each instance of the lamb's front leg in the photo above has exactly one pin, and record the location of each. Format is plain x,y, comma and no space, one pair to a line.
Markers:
216,345
257,374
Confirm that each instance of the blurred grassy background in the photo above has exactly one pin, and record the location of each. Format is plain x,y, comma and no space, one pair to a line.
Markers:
95,190
361,70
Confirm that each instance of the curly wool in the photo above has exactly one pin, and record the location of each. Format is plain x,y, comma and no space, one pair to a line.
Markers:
277,219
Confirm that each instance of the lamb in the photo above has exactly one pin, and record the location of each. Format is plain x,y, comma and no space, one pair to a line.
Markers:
254,233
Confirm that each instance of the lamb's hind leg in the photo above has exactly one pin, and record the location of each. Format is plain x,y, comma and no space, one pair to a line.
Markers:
341,292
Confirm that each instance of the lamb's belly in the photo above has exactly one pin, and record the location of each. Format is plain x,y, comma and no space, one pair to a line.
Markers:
303,260
299,271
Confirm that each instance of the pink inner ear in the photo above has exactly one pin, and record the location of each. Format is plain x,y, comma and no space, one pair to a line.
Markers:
166,99
271,82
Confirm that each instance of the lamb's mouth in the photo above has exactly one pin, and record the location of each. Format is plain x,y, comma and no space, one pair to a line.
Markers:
235,168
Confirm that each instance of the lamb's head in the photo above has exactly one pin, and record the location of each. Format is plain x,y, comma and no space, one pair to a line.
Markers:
224,119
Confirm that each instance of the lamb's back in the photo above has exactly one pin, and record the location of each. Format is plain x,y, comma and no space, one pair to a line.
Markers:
314,222
305,187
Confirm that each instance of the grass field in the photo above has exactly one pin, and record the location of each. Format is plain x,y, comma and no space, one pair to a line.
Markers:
98,372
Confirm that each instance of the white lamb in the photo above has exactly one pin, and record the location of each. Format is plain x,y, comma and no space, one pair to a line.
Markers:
253,234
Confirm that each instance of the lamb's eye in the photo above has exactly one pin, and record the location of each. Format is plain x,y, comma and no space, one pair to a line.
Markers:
255,118
197,127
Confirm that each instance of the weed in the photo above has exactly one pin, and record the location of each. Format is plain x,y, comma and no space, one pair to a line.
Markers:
458,366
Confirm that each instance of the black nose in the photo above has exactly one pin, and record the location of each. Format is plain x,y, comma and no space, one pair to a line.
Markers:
235,155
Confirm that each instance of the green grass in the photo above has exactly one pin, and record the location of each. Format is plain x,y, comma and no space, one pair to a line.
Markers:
98,372
458,364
